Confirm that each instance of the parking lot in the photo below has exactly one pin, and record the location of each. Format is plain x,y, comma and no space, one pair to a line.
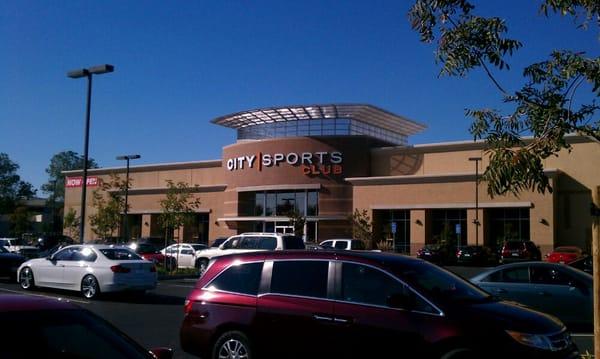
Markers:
154,319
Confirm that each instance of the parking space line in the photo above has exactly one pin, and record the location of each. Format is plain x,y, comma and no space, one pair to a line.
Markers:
176,285
584,335
45,296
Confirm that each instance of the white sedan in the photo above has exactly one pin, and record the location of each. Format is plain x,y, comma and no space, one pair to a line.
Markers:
186,254
89,269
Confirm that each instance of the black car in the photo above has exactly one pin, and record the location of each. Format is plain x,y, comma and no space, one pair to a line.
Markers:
438,253
157,242
476,255
9,263
48,241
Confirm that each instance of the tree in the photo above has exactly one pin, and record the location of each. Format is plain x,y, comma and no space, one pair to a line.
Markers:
362,227
12,188
545,107
548,106
109,205
71,223
20,221
297,220
62,161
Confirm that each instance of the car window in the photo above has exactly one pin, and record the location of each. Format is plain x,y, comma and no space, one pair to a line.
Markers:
493,277
516,275
186,251
513,245
341,245
199,247
358,245
363,284
232,243
145,249
268,243
326,244
549,275
293,242
303,278
63,255
243,278
249,243
83,254
120,254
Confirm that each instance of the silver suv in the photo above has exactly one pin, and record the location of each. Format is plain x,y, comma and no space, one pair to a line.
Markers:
249,242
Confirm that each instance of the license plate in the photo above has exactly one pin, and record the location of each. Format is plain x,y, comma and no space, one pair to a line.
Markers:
515,254
467,255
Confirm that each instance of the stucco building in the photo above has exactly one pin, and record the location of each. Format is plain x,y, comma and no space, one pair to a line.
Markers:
323,161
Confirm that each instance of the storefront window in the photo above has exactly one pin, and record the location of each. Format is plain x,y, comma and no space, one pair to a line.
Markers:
395,228
449,226
508,224
278,203
312,207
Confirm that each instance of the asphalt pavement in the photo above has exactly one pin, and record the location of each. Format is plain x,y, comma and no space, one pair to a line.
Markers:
153,320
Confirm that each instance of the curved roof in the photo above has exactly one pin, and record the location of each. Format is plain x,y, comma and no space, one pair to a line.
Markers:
361,112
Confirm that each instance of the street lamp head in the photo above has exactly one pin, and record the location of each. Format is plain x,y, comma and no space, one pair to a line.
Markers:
474,158
128,157
95,70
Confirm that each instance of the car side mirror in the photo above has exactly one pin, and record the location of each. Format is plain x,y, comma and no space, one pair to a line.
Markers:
401,301
162,353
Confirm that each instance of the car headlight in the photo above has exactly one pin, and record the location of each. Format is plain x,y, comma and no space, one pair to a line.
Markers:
532,340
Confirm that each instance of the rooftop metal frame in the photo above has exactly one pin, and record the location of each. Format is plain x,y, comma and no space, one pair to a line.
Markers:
360,112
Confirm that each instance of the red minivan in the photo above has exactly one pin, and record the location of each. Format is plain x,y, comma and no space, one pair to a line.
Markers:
356,304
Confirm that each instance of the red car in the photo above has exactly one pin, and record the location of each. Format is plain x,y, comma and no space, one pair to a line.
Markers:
565,254
50,328
150,253
351,304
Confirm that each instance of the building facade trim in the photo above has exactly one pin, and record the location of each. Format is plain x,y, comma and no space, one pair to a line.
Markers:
283,187
158,190
454,205
151,167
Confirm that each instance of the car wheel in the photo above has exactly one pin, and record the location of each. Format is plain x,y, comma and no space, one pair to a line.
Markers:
26,279
89,287
232,345
459,353
201,265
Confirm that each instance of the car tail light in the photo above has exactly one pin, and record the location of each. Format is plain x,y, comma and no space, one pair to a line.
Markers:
153,269
458,253
187,306
120,269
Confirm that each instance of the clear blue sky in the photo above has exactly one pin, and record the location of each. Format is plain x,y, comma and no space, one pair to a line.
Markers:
180,64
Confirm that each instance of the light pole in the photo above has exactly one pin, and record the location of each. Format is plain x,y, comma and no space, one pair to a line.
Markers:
127,158
75,74
476,221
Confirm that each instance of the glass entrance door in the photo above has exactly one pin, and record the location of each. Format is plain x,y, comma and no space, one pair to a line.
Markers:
284,229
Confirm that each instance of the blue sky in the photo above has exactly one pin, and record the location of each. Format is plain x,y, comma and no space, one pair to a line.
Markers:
179,64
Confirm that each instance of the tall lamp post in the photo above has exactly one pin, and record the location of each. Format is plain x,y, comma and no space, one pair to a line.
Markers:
476,221
127,158
76,74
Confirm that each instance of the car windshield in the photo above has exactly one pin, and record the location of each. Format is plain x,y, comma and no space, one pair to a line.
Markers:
120,254
145,249
3,250
65,334
198,247
293,242
440,284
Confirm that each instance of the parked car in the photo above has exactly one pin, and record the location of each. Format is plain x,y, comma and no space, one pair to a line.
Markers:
50,328
564,254
48,241
250,242
158,242
218,241
548,287
513,251
149,253
584,263
10,244
312,246
438,253
187,255
90,269
358,304
345,244
9,263
476,255
29,252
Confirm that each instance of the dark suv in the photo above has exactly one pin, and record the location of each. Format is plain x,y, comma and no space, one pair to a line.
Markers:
356,304
513,251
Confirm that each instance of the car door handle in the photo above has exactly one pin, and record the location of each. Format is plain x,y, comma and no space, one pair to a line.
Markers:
323,318
342,320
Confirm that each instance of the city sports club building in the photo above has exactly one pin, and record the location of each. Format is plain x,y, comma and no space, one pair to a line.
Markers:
325,161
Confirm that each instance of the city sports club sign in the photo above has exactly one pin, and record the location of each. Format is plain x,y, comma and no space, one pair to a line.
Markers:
72,182
310,163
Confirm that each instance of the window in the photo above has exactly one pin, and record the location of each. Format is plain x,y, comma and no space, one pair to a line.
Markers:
83,254
232,243
509,224
516,275
269,243
358,245
63,255
303,278
120,254
243,278
277,203
341,245
326,244
363,284
248,243
548,275
293,242
449,225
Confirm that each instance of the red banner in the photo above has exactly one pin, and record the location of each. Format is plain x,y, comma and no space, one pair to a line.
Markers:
78,181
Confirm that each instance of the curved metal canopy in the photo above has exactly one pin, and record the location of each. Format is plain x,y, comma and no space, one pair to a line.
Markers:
360,112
